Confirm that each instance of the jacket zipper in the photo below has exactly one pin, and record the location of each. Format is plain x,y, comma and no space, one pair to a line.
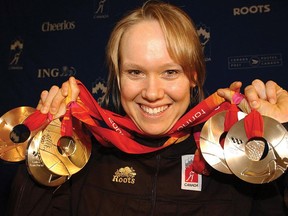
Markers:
154,187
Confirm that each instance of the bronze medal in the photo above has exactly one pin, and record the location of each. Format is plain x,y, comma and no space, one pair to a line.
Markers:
261,159
37,169
14,136
63,155
211,134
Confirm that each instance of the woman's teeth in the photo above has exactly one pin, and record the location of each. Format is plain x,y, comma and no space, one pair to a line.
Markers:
153,111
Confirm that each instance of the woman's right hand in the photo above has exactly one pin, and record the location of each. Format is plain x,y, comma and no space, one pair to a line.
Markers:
56,99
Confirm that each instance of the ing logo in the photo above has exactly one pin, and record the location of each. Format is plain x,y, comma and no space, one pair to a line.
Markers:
16,49
64,71
204,35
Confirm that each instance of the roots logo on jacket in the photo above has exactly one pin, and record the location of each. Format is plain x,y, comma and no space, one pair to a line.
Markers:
189,179
125,175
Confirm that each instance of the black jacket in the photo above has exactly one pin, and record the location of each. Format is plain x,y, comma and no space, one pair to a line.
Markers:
114,183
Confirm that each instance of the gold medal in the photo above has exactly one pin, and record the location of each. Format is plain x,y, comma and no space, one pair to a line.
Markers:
211,134
37,169
261,159
14,135
63,155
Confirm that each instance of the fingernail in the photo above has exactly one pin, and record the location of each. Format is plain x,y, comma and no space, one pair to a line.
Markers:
220,93
53,110
44,110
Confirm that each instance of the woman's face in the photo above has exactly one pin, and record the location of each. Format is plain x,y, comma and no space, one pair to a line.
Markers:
155,92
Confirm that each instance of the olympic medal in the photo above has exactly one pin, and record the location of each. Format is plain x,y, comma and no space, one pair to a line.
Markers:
37,169
210,138
260,159
63,155
14,135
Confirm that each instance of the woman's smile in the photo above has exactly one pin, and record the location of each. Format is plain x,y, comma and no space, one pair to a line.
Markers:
154,111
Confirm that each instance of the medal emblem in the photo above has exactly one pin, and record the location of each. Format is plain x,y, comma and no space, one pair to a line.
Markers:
63,155
37,169
258,159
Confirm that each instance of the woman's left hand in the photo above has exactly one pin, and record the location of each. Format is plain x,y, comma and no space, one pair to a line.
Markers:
269,99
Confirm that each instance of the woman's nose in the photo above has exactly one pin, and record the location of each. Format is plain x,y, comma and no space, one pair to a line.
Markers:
153,90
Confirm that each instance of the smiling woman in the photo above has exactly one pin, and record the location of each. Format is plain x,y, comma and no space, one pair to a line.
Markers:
181,44
147,161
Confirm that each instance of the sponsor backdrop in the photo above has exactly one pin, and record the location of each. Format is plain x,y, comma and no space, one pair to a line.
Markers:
42,43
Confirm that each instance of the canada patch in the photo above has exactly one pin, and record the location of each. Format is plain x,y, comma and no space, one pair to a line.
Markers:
189,179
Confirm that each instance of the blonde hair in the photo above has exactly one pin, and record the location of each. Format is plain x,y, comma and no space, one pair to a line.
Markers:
182,42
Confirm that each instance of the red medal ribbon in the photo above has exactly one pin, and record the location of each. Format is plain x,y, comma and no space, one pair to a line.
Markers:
199,164
231,116
37,119
66,123
254,125
117,129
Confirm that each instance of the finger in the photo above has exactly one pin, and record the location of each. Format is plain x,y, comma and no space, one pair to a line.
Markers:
252,96
271,91
260,88
57,102
42,99
46,102
65,89
225,93
74,89
236,86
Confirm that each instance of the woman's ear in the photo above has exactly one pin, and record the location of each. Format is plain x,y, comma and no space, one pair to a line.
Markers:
193,81
192,84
